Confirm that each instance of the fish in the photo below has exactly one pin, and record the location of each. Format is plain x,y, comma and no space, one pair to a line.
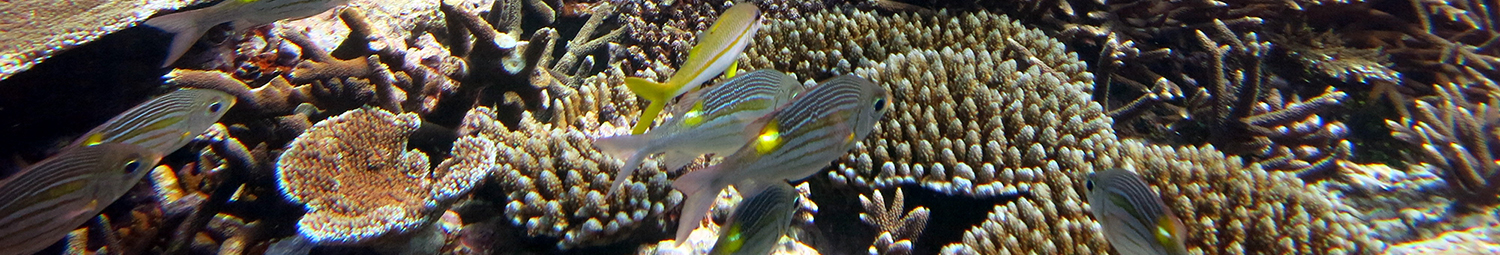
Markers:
46,200
164,123
716,50
712,125
1135,220
188,26
793,142
758,223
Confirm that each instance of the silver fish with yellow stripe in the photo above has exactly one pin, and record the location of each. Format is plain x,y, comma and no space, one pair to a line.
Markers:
758,223
715,51
43,202
714,124
162,124
1135,220
793,142
188,26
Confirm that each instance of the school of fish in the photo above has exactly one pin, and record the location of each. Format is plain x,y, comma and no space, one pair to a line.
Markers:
44,201
712,125
716,50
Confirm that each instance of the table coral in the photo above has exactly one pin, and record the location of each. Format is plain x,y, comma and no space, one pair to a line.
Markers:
36,29
359,183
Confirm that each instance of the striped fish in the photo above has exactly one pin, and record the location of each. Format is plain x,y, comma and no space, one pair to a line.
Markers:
1135,220
39,205
188,26
793,142
758,223
716,50
714,124
163,124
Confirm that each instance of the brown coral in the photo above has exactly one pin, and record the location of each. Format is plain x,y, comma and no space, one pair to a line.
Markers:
998,107
1457,131
361,187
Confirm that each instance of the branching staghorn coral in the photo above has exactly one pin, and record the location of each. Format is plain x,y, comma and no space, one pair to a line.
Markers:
1457,131
360,188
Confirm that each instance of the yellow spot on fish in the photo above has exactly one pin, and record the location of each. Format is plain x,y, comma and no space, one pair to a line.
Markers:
93,139
694,116
1164,231
734,239
770,138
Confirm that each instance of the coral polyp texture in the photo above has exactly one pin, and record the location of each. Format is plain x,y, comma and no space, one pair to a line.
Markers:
555,180
360,183
1005,108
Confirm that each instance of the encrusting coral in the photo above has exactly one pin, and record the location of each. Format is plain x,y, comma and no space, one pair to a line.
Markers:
344,169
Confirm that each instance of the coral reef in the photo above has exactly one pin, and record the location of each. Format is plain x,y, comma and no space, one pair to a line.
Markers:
346,180
1242,114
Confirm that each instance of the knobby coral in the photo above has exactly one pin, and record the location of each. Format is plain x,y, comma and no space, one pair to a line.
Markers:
359,183
985,106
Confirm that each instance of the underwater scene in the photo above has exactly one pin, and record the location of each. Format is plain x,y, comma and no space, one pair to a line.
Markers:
882,127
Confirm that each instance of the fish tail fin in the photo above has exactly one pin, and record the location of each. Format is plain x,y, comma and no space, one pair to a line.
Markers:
657,93
628,147
699,188
187,28
676,159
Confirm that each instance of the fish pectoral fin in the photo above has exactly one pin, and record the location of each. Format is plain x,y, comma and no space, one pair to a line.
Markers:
676,160
699,188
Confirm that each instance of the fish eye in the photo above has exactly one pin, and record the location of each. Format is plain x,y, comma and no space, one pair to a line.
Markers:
215,107
1089,185
880,104
132,166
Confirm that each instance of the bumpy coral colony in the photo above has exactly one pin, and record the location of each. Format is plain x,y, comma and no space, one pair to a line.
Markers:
469,126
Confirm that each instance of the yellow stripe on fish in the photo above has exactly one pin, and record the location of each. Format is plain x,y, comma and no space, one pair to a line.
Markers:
165,123
1135,220
188,26
714,124
40,204
716,50
758,223
791,143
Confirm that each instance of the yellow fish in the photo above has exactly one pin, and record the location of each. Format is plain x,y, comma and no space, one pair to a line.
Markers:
165,123
1135,220
758,223
793,142
714,124
43,202
716,50
244,14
